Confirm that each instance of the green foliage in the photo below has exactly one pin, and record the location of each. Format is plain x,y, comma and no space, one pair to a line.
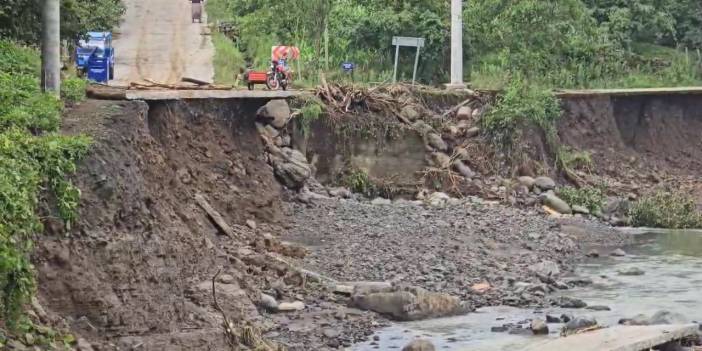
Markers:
33,157
358,181
570,159
227,61
666,210
21,19
311,110
589,197
73,90
520,105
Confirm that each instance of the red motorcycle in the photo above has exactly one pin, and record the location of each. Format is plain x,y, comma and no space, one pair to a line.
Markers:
279,76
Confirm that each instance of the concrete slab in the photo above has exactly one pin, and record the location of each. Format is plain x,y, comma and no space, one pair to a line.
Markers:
210,94
618,338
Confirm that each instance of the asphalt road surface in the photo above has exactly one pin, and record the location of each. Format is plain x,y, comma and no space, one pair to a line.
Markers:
157,40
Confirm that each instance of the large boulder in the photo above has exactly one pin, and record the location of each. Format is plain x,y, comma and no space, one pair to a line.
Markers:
556,203
660,318
275,113
410,304
463,169
539,327
290,167
419,345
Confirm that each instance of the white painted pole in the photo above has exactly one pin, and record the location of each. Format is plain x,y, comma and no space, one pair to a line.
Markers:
416,65
397,56
457,44
51,47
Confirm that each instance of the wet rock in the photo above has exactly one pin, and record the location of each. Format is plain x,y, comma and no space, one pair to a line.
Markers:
275,112
546,268
435,141
579,323
500,329
558,205
667,317
419,345
639,319
552,319
269,303
464,113
593,254
599,308
618,253
410,304
580,282
567,317
539,327
291,306
545,183
569,302
527,181
632,271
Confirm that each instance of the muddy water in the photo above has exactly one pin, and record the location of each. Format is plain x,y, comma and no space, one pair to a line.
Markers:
672,261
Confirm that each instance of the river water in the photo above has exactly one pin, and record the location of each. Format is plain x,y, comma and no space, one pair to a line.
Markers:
672,261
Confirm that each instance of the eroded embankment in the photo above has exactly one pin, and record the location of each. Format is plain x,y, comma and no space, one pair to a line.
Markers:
639,142
135,271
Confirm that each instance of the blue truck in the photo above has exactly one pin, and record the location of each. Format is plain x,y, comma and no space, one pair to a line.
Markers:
95,57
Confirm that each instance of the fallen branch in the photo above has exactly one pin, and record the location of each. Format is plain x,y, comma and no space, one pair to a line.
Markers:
215,216
194,81
105,93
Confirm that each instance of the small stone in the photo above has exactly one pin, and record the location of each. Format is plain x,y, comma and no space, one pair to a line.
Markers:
593,254
226,279
556,203
330,333
545,183
618,253
15,346
480,288
465,112
539,327
379,201
581,210
343,289
472,132
83,345
527,181
419,345
251,224
633,271
268,302
291,306
409,113
435,141
29,339
546,268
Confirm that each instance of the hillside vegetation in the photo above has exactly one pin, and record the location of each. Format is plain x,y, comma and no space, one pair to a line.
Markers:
561,43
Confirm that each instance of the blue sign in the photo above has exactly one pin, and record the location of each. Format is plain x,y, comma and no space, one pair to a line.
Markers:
348,66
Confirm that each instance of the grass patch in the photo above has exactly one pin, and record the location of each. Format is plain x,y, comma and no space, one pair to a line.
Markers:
73,90
666,210
589,197
228,61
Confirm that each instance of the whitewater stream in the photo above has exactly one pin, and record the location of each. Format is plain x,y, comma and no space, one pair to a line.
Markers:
671,260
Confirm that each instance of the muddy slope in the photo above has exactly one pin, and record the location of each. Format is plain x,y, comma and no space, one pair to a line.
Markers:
641,141
135,269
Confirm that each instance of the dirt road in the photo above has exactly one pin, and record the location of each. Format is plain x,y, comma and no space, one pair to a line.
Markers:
157,40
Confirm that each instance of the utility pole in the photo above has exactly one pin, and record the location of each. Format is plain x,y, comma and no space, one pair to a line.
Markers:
456,45
51,47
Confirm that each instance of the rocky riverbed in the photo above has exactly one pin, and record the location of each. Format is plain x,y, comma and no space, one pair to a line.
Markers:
482,252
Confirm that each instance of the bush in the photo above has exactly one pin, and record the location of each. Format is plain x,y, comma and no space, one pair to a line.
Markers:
73,90
589,197
520,105
666,210
33,158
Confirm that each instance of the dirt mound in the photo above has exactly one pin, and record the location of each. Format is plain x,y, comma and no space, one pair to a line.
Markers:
137,267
